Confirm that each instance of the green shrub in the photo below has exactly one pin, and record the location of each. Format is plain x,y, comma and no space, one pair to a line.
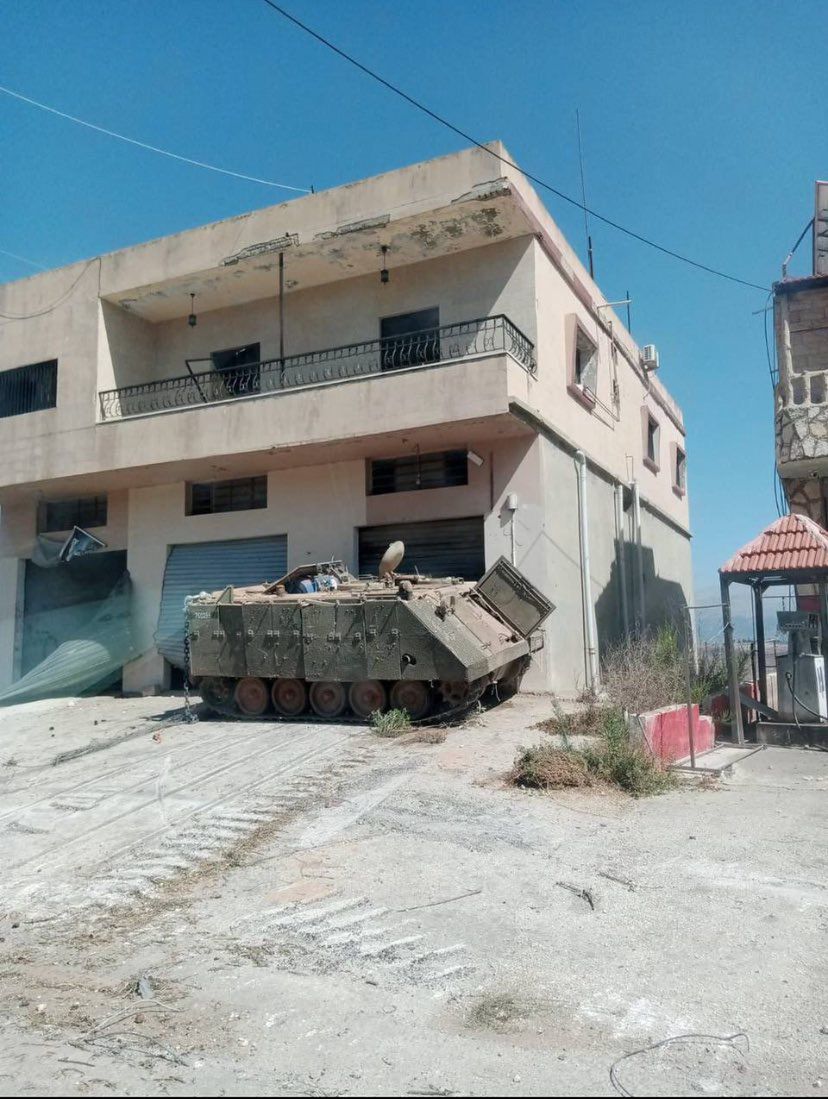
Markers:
615,758
392,723
586,722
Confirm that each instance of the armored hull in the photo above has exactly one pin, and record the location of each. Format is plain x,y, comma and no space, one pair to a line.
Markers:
322,640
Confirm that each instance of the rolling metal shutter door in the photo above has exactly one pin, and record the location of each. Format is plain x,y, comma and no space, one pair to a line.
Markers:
210,566
441,547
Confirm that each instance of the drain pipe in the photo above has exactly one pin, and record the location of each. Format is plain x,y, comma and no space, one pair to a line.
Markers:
622,556
639,558
589,610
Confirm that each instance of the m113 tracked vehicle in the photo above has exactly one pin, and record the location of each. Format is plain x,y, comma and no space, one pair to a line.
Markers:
320,638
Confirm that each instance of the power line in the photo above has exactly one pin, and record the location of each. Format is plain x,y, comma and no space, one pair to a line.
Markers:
150,148
58,301
22,259
504,160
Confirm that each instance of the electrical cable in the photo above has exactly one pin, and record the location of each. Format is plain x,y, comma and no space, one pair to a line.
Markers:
150,148
779,496
504,160
22,259
56,303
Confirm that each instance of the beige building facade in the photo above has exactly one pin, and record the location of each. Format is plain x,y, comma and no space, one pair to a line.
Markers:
438,367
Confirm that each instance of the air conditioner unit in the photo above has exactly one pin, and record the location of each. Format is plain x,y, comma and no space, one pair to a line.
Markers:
649,357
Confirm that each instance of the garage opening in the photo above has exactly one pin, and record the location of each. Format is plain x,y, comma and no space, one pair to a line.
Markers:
76,628
210,566
437,547
59,604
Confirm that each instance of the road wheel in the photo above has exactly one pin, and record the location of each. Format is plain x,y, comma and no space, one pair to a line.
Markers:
328,699
455,693
252,696
216,692
290,697
412,695
367,697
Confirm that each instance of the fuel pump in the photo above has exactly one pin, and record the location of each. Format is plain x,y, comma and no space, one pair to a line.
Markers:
801,671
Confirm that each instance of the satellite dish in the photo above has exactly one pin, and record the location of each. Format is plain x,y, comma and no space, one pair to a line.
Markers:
391,559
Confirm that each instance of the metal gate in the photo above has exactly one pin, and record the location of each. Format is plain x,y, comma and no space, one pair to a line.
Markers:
210,566
438,547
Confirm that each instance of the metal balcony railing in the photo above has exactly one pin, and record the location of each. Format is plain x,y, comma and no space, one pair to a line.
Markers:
429,347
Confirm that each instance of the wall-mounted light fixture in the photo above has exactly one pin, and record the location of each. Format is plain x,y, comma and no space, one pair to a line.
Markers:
192,320
384,273
474,457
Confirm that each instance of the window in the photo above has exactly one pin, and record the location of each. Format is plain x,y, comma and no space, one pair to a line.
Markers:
652,441
242,494
586,362
240,368
581,363
680,472
28,388
410,339
418,471
87,511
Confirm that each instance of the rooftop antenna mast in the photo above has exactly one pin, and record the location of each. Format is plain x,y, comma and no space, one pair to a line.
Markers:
583,196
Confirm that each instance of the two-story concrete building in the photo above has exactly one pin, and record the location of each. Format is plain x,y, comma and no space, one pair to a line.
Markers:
801,327
439,367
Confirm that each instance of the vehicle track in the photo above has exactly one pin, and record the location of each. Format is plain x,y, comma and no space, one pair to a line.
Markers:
228,799
191,784
354,933
67,791
202,835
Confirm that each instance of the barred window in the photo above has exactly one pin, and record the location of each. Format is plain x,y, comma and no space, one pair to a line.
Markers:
28,388
418,471
241,494
85,511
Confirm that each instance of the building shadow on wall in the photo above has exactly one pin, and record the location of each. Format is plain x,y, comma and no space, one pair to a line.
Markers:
664,600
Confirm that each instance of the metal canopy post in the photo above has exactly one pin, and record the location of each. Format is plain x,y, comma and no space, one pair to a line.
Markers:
689,660
730,655
758,592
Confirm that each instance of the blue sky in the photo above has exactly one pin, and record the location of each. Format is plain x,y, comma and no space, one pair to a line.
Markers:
704,127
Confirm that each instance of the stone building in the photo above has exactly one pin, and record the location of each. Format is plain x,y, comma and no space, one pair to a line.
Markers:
801,327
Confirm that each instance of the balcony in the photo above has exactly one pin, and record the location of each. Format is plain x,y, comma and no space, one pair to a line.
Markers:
802,422
431,347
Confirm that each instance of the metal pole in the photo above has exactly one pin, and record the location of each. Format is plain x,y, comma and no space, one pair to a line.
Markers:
583,197
730,655
639,553
760,642
281,318
688,657
786,358
195,379
586,571
622,556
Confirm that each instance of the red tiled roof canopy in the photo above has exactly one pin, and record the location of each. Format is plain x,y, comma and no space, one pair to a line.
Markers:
793,543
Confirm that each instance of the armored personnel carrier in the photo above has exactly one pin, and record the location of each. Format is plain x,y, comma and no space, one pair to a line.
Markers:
323,639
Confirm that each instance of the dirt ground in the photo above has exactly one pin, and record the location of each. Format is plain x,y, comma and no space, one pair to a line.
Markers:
269,909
